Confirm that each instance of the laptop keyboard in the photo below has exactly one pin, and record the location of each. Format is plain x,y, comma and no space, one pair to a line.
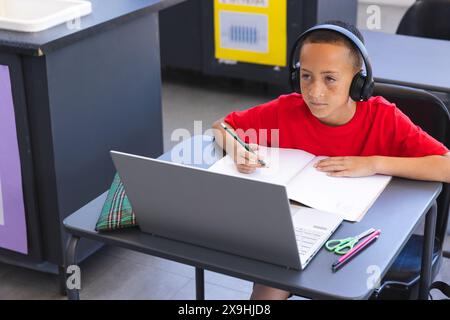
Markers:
307,239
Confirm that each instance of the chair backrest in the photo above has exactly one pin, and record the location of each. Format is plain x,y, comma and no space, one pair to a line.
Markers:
427,18
430,113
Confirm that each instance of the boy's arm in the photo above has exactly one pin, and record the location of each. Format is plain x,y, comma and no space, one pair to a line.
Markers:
431,168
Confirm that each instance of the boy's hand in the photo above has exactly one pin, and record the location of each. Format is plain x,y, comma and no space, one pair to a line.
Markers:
347,166
247,162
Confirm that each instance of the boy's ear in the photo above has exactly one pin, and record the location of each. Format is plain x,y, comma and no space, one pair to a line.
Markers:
447,155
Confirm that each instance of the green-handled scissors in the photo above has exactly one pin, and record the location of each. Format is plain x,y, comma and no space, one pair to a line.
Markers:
342,246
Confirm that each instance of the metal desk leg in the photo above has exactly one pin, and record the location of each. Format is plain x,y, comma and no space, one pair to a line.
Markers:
427,253
62,280
71,251
200,283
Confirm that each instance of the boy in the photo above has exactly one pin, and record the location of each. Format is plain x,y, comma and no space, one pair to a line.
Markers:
361,138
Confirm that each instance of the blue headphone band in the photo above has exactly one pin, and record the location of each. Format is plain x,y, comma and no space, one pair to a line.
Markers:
350,36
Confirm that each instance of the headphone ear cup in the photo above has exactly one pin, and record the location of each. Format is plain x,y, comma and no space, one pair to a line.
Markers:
298,85
368,90
357,86
295,80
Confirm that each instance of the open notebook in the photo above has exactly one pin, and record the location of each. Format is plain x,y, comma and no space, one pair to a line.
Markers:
348,197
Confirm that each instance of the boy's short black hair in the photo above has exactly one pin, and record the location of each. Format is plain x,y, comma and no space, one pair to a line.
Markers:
330,36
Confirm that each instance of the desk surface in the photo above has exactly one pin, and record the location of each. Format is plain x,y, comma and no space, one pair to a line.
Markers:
396,212
411,61
105,14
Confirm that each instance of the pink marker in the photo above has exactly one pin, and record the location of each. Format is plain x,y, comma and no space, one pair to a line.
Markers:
356,250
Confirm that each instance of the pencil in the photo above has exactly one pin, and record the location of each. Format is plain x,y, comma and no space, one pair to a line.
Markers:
245,145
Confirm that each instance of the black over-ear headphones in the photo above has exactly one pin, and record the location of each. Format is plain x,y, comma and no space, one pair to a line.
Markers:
361,88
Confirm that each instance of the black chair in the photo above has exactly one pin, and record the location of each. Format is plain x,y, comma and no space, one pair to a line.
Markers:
428,112
428,19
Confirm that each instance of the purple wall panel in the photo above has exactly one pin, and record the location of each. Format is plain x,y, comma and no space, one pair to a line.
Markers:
13,231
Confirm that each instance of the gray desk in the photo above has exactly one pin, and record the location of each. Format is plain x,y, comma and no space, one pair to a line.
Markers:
410,61
106,14
396,212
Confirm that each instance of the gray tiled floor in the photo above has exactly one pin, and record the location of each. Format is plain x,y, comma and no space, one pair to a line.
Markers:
114,273
187,99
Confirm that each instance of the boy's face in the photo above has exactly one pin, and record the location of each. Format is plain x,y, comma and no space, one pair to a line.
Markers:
326,72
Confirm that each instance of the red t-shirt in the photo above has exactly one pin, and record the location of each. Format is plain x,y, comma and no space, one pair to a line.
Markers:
377,128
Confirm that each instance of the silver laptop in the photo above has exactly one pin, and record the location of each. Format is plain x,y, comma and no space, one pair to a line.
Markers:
249,218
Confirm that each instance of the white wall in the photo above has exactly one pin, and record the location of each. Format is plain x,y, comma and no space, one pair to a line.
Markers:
383,15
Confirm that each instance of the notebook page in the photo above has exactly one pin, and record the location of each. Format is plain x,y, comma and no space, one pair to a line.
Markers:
283,165
348,197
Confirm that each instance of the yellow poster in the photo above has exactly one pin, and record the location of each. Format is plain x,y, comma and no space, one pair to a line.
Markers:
251,31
